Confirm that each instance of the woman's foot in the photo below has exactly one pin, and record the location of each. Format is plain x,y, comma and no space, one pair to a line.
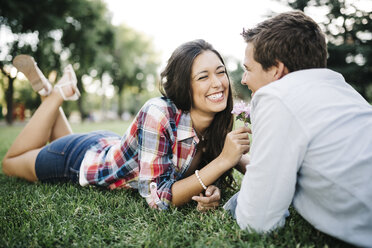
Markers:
67,85
27,65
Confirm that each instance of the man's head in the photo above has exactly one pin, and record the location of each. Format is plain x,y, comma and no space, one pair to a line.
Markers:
286,43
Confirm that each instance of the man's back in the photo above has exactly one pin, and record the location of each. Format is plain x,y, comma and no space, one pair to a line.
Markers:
329,145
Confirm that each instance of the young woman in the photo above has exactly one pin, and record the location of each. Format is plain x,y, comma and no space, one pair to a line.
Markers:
177,146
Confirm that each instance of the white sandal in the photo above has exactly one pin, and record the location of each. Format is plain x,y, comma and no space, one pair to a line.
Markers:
68,79
27,65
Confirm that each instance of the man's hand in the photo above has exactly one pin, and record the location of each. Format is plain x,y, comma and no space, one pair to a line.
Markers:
211,200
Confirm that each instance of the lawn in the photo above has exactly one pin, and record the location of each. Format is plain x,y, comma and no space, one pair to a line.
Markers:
66,215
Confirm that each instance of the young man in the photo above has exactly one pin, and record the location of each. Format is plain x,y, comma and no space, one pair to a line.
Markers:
312,136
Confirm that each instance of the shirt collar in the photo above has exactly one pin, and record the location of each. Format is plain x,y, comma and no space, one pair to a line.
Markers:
185,129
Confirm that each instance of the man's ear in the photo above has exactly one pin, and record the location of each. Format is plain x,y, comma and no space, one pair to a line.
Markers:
280,70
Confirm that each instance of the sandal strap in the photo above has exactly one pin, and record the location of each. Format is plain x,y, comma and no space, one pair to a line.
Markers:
74,97
45,91
59,88
70,81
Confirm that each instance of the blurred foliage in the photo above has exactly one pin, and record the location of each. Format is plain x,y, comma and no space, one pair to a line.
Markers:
59,32
236,71
134,62
348,28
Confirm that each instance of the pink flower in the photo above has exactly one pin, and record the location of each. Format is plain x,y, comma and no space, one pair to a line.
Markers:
242,112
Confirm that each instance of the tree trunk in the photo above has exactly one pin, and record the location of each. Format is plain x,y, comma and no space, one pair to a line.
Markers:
83,114
120,101
9,100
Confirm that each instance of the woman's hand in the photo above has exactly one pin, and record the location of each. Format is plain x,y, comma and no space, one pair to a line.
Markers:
236,144
211,200
242,164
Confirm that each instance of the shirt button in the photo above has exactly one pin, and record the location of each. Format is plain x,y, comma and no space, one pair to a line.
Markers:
153,185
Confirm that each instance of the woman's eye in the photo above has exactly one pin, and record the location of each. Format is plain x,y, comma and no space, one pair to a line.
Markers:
203,77
221,72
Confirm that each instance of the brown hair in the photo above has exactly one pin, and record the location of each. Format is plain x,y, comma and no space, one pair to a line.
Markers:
292,38
175,84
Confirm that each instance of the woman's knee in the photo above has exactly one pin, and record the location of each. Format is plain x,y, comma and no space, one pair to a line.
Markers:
5,166
22,166
8,166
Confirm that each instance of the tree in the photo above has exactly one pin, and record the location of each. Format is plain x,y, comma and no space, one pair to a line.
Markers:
134,62
63,31
349,31
11,16
89,40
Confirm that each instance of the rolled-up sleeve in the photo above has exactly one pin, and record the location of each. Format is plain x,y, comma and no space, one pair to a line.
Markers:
155,139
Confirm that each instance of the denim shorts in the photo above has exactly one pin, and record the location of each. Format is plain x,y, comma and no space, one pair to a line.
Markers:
60,160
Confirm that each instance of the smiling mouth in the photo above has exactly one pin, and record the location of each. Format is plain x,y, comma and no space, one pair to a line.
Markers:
216,96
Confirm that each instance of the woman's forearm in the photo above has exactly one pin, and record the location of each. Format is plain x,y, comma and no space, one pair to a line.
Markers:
236,144
184,189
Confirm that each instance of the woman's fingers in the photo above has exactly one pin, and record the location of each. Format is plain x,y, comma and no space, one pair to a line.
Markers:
242,130
206,199
212,190
201,208
204,207
242,136
211,200
212,194
236,143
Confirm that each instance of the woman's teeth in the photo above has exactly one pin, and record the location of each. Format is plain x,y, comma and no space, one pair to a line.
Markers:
215,96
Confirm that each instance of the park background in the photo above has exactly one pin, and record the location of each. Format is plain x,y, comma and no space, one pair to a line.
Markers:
118,49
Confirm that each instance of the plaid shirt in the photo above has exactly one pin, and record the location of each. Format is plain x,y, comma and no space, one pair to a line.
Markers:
155,152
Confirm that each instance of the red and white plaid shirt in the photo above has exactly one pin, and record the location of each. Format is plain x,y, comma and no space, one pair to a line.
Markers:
155,152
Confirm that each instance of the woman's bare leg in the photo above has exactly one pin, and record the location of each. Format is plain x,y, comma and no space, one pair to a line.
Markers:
22,166
20,159
48,122
61,126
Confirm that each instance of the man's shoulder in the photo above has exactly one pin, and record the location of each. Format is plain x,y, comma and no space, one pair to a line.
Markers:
298,85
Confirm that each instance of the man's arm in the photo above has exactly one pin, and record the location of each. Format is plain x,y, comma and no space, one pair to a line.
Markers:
278,147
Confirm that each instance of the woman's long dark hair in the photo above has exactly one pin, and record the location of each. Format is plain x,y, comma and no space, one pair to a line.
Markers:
176,85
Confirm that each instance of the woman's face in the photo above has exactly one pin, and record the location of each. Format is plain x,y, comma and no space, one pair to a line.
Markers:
209,83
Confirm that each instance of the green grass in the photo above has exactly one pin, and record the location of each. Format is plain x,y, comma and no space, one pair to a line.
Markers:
67,215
